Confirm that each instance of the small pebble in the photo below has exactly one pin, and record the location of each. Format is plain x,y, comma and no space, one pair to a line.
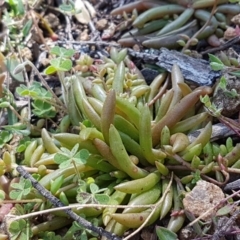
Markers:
202,198
84,36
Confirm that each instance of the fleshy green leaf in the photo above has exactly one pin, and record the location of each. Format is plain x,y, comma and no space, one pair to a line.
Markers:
165,234
216,66
215,59
20,8
2,195
225,210
222,83
27,27
5,104
236,73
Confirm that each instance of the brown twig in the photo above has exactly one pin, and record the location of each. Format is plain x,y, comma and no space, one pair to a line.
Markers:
188,166
224,46
160,93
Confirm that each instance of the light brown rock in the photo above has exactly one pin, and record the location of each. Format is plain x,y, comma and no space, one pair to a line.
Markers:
203,197
101,24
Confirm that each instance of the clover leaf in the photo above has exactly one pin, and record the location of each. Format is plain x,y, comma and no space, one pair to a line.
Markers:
66,157
21,189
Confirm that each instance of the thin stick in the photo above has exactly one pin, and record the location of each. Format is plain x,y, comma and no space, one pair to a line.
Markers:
188,165
160,93
71,206
224,46
57,203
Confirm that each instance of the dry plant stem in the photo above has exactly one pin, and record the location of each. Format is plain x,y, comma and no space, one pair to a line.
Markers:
72,206
215,207
231,124
203,27
153,210
224,46
69,29
160,93
57,203
16,113
188,166
215,168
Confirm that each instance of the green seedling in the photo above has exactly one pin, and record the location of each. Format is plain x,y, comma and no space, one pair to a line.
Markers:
20,230
77,232
23,143
67,157
95,195
223,85
21,189
196,177
61,63
42,104
19,129
216,112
